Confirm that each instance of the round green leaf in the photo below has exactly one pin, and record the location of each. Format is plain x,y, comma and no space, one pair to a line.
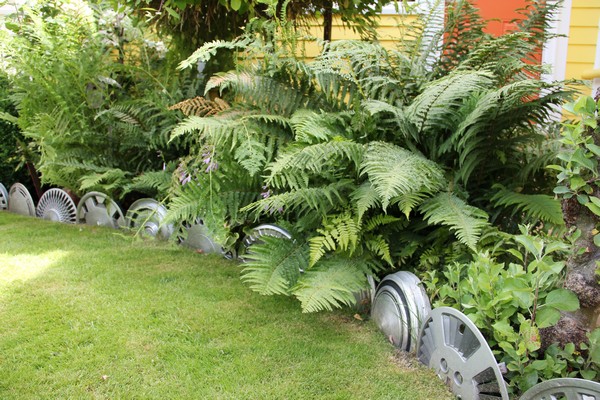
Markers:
546,317
236,4
562,299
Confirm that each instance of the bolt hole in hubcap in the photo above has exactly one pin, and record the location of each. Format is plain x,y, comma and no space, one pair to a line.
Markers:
452,345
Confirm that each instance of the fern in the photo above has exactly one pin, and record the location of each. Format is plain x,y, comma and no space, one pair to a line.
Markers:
320,199
364,198
201,107
291,166
394,172
448,210
536,207
260,92
273,266
186,203
338,233
107,181
433,110
210,49
151,182
379,246
330,284
311,127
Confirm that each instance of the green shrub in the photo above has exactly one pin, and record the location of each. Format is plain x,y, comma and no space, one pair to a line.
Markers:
92,94
11,142
510,296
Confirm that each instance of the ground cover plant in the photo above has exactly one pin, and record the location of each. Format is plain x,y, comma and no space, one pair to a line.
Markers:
89,313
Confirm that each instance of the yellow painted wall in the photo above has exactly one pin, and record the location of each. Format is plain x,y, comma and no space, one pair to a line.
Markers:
391,27
583,35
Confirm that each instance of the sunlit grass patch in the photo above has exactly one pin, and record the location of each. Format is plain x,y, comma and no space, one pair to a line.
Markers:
22,267
89,314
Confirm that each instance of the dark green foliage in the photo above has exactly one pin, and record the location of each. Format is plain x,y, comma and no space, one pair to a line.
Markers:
99,116
376,158
12,143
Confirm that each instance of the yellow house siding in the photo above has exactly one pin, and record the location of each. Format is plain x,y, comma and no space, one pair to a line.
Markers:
583,35
389,30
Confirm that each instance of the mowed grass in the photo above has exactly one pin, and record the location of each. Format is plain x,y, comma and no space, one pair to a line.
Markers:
90,313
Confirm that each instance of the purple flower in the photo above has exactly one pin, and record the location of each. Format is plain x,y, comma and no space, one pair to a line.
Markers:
267,192
213,166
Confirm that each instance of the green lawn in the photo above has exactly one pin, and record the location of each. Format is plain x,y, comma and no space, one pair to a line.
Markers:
89,313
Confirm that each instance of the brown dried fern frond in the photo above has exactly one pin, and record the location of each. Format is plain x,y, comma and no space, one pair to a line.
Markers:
201,107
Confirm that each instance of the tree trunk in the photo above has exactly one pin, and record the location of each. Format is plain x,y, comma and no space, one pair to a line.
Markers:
581,278
327,20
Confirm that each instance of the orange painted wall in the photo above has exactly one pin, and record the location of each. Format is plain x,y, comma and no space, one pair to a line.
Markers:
500,13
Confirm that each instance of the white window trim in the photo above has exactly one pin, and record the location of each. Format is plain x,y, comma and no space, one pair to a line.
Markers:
596,81
554,53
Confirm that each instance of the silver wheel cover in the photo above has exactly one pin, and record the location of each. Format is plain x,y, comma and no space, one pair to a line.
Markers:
20,201
564,388
3,197
97,209
197,236
147,215
259,231
57,205
453,346
400,306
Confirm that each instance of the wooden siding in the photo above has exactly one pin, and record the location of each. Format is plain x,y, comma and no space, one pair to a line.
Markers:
583,35
391,27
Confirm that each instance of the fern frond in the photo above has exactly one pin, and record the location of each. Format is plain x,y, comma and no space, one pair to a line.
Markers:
466,221
338,233
251,155
364,198
409,201
203,126
380,247
312,127
260,92
291,166
187,203
379,220
394,171
319,199
106,181
201,107
330,284
121,113
210,49
274,265
151,182
434,109
535,206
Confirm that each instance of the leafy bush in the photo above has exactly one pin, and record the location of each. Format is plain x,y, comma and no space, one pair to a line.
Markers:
11,142
99,115
374,158
578,168
510,301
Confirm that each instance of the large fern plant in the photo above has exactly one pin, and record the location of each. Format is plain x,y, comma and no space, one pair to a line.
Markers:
91,97
373,158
